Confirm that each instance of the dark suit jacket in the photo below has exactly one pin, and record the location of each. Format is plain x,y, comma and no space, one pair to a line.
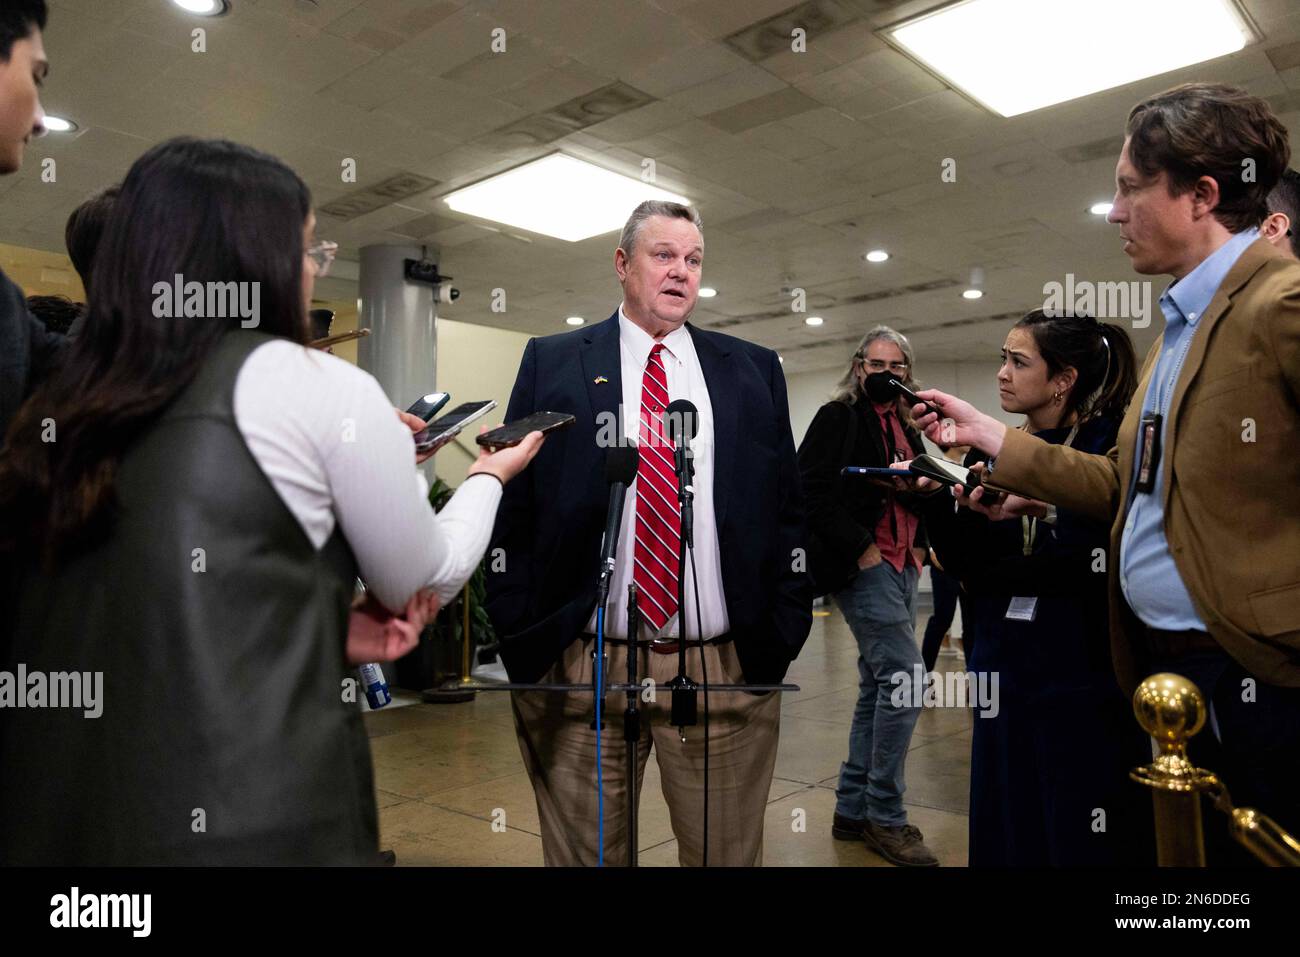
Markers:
27,351
843,511
552,515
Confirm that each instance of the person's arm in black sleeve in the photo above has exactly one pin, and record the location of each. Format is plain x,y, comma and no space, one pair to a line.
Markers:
792,607
819,474
509,555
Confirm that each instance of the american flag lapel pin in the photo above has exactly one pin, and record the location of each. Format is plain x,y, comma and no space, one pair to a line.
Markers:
600,380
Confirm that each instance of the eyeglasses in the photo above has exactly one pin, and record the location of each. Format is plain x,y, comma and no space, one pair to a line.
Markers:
878,365
322,254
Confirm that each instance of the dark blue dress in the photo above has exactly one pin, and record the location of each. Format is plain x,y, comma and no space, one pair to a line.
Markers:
1049,772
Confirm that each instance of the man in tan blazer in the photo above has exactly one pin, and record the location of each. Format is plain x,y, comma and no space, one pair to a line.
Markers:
1203,487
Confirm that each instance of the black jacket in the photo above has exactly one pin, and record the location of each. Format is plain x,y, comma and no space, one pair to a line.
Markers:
552,515
223,690
27,351
843,511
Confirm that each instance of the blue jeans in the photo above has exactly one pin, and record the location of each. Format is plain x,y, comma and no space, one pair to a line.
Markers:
879,605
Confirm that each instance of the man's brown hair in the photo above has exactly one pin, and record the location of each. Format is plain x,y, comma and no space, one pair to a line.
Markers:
1209,129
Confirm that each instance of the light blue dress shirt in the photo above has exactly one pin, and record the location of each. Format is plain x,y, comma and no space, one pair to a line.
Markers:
1151,583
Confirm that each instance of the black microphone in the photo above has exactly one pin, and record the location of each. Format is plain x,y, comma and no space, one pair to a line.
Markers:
682,419
620,470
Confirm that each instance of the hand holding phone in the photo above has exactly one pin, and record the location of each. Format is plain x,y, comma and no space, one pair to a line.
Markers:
911,396
511,434
508,462
443,429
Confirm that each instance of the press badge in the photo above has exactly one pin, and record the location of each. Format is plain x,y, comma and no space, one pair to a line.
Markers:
1022,609
1148,451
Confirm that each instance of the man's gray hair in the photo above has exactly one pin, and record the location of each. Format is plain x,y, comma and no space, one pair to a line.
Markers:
656,207
847,390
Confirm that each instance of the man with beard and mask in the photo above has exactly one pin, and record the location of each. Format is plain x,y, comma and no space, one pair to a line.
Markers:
866,549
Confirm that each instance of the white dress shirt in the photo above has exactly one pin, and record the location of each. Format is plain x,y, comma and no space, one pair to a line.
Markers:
685,381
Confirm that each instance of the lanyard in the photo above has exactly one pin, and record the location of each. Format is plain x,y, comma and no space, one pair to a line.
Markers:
1171,377
1029,525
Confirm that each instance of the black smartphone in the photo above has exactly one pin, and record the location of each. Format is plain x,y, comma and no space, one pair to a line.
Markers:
948,473
872,472
427,406
512,433
443,429
912,397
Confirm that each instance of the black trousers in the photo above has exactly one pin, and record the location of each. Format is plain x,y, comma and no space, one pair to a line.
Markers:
1256,752
947,594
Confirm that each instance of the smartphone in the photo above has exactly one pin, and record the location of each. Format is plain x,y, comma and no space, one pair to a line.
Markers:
912,397
513,433
427,406
951,473
876,472
443,429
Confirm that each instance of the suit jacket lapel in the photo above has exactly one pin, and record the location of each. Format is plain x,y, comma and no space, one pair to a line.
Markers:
716,364
601,360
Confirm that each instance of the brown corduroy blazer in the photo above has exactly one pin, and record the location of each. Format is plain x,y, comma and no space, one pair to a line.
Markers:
1231,492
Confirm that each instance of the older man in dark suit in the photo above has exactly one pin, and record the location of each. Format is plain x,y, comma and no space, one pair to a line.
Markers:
754,602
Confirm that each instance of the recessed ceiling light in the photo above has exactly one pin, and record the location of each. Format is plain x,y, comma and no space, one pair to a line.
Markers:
204,8
1100,209
993,50
707,292
813,321
575,320
558,196
877,256
57,124
972,293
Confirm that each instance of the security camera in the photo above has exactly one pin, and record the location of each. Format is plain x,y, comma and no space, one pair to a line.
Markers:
422,271
426,273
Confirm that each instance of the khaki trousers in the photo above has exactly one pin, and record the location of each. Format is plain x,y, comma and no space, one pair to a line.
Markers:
559,750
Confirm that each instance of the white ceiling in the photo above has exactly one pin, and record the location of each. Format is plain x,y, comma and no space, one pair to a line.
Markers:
798,162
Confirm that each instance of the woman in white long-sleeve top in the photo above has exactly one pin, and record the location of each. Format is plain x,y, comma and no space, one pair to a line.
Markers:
188,543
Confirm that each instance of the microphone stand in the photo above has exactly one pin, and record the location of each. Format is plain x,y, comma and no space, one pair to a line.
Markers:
632,721
685,690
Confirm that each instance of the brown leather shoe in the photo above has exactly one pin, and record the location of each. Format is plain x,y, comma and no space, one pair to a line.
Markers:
846,828
899,845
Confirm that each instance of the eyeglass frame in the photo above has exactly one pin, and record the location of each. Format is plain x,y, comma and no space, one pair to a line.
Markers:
322,254
891,366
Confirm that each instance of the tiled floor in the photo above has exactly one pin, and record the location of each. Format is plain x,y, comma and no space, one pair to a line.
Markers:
452,789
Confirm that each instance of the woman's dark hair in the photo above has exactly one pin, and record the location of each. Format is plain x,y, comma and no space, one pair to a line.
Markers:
1100,352
85,229
1209,129
209,211
57,313
18,19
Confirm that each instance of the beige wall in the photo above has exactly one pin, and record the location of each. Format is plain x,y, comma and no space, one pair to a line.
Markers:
474,363
41,273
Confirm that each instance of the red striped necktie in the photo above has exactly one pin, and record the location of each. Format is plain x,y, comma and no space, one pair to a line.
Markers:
658,525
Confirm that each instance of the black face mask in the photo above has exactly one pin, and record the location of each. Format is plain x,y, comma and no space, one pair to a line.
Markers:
877,387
